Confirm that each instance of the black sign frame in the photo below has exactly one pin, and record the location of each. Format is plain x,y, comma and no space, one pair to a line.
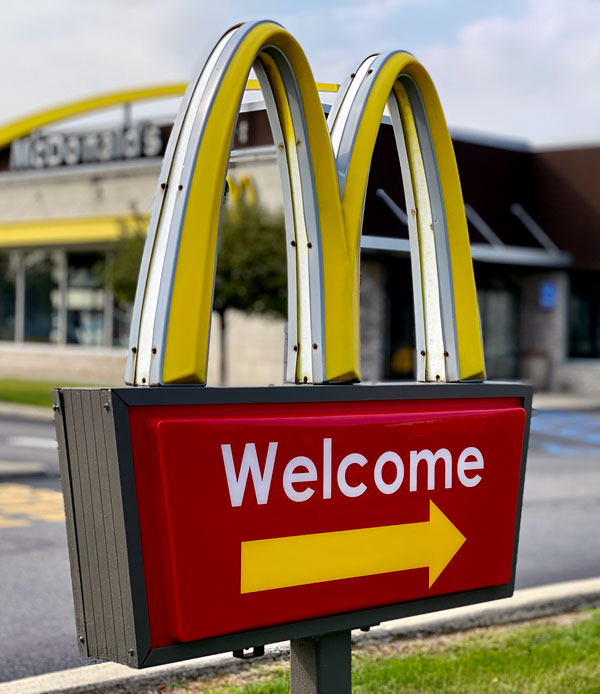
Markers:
103,529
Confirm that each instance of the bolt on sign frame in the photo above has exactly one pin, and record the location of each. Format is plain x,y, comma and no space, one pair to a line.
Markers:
202,520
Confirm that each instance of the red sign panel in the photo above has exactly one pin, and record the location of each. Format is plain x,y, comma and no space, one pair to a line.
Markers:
258,515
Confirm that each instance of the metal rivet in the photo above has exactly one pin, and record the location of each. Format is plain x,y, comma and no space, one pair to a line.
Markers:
306,379
446,354
56,408
431,226
295,348
163,186
281,147
369,72
107,407
309,245
131,652
315,345
413,212
293,243
180,187
154,350
422,352
134,350
437,377
298,143
353,75
81,639
143,380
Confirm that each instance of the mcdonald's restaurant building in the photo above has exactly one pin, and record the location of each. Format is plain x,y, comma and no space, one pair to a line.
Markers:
70,188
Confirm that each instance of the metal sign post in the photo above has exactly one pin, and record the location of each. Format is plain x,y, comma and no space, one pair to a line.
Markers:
321,664
202,520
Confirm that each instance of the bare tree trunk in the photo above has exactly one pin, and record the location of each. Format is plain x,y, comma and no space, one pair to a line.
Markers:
223,364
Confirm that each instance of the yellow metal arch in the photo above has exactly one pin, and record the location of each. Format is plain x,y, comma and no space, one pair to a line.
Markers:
326,186
187,340
470,350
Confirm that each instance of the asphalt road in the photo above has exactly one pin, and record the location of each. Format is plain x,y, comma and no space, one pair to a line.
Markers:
559,533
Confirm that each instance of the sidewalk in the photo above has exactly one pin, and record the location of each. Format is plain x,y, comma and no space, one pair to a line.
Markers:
565,401
21,411
110,678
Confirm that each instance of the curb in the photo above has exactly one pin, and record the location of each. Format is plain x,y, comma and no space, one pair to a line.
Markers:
112,678
17,469
564,402
21,411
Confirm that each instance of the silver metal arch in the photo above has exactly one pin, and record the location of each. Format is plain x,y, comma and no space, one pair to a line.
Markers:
435,328
305,305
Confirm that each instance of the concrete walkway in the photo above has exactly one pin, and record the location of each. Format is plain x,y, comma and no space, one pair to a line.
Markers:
565,401
111,678
21,411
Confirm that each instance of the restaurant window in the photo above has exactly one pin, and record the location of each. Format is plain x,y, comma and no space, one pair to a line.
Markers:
401,325
584,317
40,295
7,295
85,300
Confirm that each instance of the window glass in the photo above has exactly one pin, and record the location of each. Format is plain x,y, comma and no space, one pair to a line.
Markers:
7,296
85,300
584,317
41,293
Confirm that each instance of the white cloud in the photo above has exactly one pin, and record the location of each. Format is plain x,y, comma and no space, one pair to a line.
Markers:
533,73
536,76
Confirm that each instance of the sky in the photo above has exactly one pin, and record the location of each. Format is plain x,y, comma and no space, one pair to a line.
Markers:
522,69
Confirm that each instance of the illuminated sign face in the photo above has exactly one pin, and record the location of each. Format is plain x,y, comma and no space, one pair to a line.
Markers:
259,515
53,150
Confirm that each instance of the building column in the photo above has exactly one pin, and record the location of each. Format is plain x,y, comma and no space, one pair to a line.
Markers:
372,320
62,268
109,303
544,307
19,296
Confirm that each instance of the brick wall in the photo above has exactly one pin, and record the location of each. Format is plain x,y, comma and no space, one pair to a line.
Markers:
543,332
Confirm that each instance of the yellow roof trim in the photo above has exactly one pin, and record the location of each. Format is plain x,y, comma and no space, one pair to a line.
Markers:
22,127
58,232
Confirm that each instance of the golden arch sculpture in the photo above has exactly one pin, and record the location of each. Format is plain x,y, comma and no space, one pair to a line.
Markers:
324,169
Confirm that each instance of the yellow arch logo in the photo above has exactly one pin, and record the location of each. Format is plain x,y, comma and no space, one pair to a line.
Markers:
241,191
324,170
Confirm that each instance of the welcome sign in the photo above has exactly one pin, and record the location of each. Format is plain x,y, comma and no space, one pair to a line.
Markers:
203,519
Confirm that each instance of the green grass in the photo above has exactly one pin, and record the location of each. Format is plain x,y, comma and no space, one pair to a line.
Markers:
28,392
539,658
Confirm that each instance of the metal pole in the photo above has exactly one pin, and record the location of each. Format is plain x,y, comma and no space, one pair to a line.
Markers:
321,664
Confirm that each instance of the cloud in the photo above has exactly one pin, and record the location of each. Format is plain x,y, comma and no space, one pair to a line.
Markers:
535,76
524,69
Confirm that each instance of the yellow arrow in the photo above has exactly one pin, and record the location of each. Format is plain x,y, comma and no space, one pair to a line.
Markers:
300,559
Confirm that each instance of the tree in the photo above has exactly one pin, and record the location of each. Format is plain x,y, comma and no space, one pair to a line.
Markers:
251,267
118,272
